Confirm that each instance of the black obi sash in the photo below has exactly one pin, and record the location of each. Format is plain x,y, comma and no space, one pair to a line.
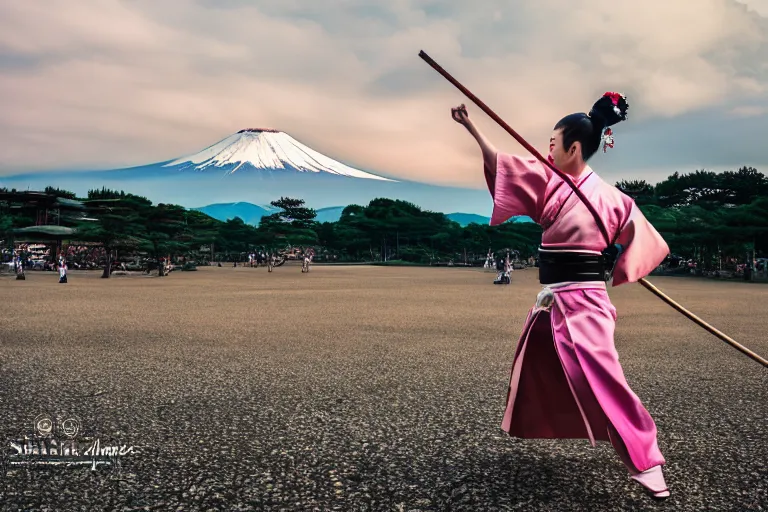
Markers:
562,266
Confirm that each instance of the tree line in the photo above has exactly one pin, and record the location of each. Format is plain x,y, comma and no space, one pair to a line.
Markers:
705,216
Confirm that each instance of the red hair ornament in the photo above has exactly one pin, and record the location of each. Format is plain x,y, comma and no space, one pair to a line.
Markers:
607,140
620,107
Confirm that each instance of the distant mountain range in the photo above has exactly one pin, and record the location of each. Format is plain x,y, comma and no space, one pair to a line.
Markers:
257,166
248,213
252,213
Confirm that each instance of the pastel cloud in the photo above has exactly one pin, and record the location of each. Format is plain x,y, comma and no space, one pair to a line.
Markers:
105,83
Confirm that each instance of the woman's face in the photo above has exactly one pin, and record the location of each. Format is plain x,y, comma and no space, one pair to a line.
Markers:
561,158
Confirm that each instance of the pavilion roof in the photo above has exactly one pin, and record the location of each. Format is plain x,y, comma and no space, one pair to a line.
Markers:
49,232
41,199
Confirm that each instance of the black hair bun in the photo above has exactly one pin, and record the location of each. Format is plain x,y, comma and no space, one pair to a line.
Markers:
610,109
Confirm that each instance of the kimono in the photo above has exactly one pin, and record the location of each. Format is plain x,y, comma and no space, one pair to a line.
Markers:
566,380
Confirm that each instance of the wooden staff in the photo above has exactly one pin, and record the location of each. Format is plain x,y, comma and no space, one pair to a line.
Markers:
519,139
591,209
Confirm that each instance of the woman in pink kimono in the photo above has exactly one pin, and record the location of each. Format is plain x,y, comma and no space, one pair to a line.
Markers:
566,380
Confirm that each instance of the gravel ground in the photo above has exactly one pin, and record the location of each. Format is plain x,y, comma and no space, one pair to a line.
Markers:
361,388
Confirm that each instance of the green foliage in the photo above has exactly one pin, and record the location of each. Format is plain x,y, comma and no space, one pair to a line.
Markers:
106,194
704,188
389,229
639,190
58,192
235,236
6,226
701,215
294,225
294,212
165,230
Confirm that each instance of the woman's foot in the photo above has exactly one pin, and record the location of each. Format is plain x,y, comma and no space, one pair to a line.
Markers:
653,482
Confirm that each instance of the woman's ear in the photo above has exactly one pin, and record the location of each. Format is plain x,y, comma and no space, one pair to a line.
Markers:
575,147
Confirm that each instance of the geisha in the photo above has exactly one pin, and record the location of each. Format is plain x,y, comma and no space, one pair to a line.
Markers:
566,381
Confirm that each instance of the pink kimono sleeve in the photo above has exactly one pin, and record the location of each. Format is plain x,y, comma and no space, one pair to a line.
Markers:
644,248
518,188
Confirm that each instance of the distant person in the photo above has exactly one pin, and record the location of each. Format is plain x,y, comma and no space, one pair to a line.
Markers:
508,264
63,272
502,276
488,260
19,264
307,261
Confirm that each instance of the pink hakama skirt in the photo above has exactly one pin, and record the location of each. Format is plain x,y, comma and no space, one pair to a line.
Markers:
566,380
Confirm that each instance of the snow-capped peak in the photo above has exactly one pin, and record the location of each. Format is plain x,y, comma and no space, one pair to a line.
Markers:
264,148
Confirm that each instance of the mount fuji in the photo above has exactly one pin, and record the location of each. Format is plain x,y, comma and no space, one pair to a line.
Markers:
257,166
264,149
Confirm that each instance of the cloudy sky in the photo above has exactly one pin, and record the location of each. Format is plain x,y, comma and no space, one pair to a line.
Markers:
97,84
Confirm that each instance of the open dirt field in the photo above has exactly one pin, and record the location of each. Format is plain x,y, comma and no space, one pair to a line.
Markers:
361,388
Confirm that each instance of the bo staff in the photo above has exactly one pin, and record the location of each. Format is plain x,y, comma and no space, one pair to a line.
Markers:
591,209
